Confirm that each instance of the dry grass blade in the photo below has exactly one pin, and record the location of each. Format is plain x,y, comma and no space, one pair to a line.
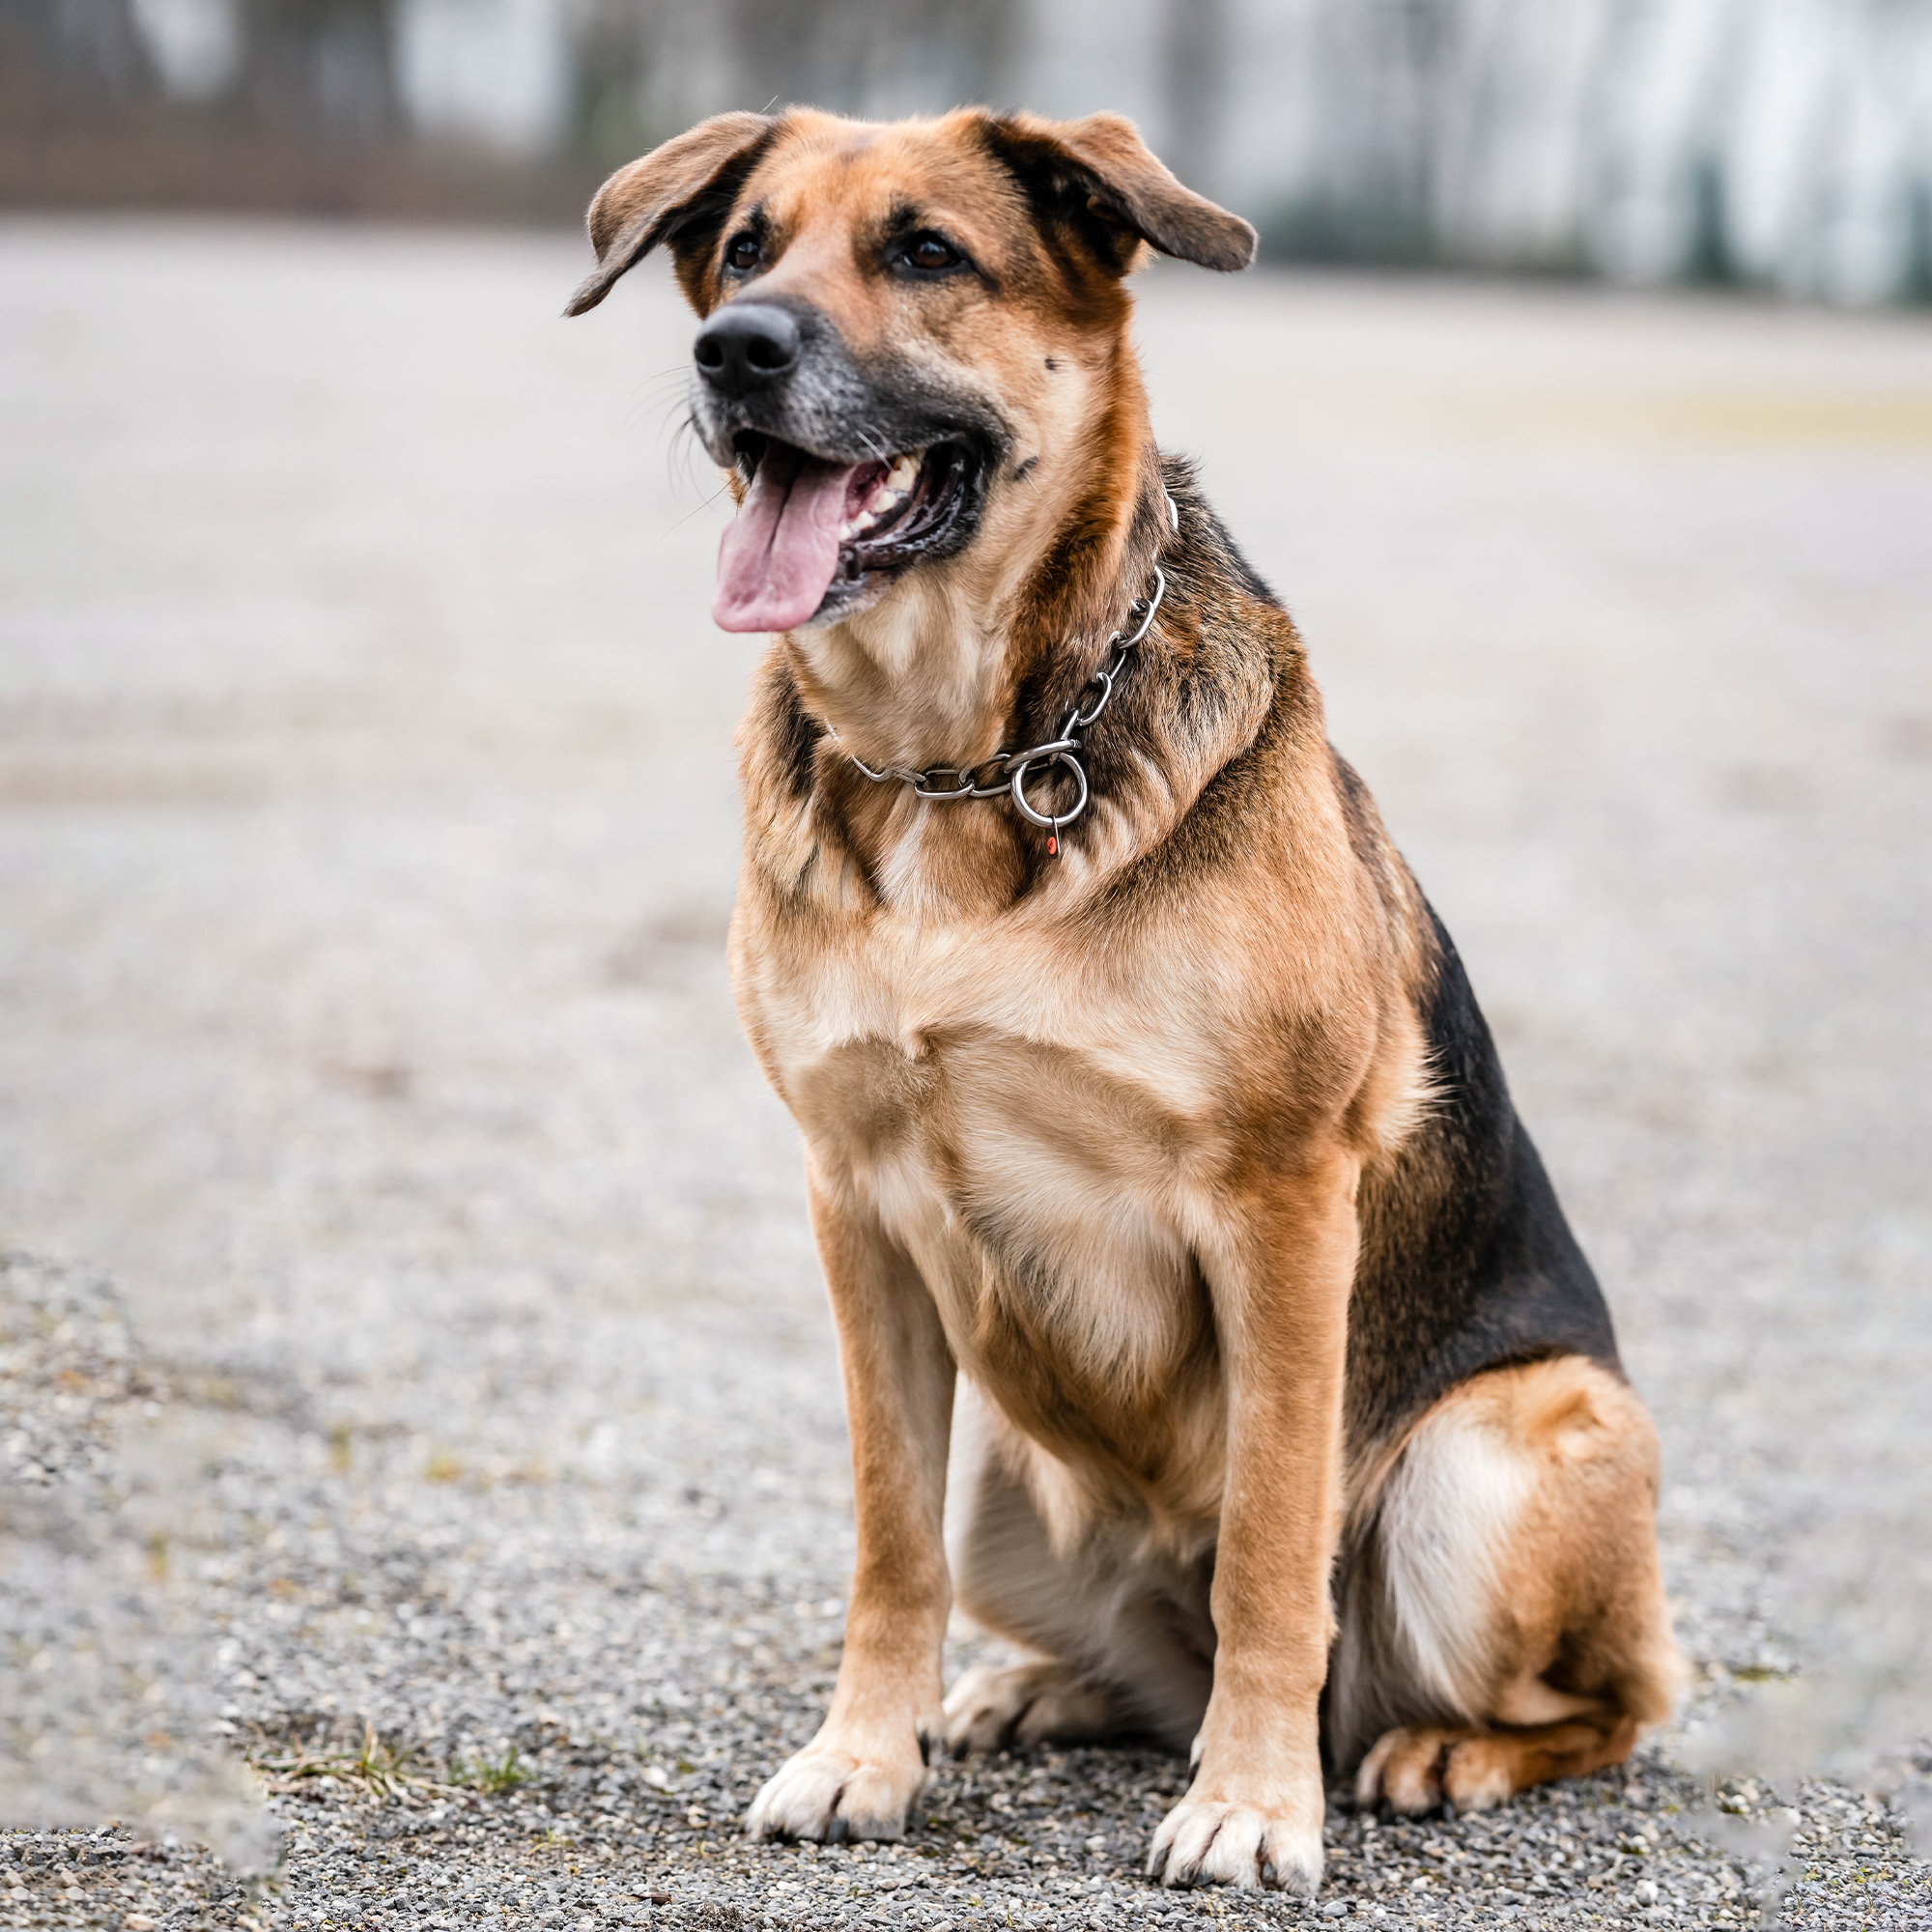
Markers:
382,1770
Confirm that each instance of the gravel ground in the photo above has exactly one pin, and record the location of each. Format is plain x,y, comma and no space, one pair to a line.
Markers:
434,1408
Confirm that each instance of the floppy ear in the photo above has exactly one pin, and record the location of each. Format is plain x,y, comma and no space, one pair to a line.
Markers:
671,194
1100,172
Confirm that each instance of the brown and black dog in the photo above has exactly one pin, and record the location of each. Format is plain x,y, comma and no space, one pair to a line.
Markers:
1165,1131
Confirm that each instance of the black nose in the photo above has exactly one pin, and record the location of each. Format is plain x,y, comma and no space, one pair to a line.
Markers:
747,345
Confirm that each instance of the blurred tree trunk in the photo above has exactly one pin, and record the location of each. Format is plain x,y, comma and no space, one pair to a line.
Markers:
878,57
323,67
92,47
1195,50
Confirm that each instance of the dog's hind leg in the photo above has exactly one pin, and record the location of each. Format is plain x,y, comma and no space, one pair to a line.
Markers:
1123,1640
1503,1620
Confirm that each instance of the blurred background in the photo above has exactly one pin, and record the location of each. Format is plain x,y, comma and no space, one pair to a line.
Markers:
411,1304
1780,142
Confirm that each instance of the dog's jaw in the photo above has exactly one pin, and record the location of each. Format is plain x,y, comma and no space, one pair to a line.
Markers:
914,676
923,671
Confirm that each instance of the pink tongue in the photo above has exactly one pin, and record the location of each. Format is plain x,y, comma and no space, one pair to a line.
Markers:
777,556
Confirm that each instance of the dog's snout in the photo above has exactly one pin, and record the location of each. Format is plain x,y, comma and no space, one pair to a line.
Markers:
747,345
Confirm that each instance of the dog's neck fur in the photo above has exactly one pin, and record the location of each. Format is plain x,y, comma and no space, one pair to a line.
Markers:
957,663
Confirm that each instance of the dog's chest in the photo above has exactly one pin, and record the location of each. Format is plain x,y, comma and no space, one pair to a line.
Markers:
1030,1134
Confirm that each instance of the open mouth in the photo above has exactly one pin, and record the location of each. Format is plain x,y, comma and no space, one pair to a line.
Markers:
813,535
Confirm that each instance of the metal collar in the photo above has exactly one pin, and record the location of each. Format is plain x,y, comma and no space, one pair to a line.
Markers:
1009,771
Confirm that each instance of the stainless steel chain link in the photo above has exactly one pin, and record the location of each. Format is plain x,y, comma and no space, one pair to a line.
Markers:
944,782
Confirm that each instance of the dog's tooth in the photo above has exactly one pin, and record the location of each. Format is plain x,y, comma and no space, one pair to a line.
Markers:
900,477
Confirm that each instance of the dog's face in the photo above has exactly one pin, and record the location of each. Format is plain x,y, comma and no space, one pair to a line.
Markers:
903,325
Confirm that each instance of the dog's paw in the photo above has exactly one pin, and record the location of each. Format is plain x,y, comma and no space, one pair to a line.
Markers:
1028,1704
1202,1842
1420,1766
831,1795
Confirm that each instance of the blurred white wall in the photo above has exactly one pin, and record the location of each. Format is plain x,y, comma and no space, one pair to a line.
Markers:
196,44
492,69
1076,56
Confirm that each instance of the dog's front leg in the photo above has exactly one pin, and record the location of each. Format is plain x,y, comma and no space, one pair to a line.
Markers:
1280,1283
860,1773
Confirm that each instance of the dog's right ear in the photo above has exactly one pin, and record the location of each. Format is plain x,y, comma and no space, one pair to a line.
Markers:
674,194
1099,178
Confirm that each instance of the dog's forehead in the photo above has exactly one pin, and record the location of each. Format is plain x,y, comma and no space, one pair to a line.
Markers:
825,171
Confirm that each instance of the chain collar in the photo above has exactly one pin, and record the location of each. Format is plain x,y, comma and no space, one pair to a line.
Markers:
1010,770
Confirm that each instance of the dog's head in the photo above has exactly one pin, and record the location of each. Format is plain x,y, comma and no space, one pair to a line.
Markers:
903,324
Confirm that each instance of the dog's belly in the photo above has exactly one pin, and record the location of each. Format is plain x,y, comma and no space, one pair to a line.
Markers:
1043,1200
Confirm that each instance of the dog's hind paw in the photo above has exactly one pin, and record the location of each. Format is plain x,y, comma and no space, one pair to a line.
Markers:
1206,1843
1416,1769
1421,1766
832,1795
1028,1704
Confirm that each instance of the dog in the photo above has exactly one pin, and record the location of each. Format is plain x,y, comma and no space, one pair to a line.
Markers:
1148,1114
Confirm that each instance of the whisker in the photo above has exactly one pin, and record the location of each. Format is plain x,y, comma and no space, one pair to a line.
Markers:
666,390
675,448
658,415
662,375
663,385
687,517
679,447
661,410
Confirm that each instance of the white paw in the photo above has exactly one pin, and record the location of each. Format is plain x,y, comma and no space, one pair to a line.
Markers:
831,1795
1206,1843
1025,1705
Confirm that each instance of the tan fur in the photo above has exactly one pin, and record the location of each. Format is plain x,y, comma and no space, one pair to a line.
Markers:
1536,1601
1092,1133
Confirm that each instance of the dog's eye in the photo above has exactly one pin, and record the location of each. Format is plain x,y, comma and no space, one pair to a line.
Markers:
743,253
930,253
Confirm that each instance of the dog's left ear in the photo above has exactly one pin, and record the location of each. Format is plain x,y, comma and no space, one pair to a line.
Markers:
1101,175
668,195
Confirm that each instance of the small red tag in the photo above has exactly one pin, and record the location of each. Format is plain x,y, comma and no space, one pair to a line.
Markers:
1052,846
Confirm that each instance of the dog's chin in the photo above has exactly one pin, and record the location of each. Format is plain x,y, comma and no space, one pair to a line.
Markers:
932,514
848,599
